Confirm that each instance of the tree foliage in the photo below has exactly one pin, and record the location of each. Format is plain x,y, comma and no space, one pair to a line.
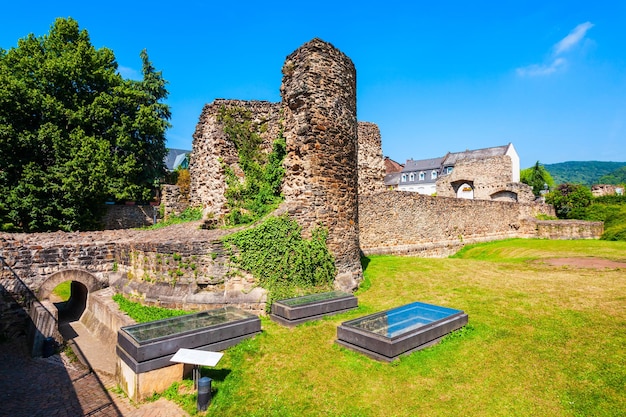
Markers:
617,177
569,199
581,172
537,177
73,132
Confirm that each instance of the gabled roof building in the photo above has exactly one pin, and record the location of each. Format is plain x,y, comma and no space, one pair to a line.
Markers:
483,174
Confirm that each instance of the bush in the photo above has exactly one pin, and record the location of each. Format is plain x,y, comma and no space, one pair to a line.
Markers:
141,313
569,199
613,216
281,260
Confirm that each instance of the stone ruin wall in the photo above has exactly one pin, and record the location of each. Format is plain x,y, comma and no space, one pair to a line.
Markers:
189,269
212,147
600,190
320,186
489,176
405,223
127,217
371,165
173,203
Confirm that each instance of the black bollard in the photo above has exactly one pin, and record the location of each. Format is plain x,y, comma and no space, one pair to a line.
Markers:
204,393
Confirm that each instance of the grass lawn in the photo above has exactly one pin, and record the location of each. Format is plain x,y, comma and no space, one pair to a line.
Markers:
541,341
63,291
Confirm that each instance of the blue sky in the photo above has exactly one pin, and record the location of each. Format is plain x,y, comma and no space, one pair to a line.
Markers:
550,77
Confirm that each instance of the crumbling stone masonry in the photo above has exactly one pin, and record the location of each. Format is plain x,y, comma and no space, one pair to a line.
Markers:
320,127
406,223
212,149
490,179
371,166
318,119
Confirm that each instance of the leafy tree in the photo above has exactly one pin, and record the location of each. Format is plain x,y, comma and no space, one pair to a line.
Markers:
73,132
569,199
537,177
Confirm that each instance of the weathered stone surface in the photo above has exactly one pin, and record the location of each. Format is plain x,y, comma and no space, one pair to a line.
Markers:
320,187
371,165
126,217
212,148
405,223
490,179
569,229
172,201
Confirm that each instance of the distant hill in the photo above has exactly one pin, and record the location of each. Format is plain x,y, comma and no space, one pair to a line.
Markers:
582,172
616,177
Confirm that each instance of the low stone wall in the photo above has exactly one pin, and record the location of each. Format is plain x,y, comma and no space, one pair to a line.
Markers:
237,292
405,223
173,203
129,216
103,317
569,229
192,274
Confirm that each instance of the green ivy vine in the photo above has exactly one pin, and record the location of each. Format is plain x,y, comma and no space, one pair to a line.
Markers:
259,192
284,263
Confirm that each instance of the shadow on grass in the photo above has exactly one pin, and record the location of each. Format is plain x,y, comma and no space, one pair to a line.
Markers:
365,261
216,374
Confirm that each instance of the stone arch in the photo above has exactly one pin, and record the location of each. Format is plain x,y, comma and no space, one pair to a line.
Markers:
504,195
90,282
463,189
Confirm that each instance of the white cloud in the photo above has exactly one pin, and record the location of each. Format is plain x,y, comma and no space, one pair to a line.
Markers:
557,62
129,73
574,37
541,69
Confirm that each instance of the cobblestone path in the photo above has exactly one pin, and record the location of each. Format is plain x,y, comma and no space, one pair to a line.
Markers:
56,386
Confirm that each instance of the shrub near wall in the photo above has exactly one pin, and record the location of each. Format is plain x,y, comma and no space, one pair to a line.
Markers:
281,260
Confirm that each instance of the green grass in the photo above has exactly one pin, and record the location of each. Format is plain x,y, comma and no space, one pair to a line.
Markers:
541,341
142,313
190,214
63,290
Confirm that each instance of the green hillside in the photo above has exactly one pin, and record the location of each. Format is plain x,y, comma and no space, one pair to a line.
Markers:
582,172
616,177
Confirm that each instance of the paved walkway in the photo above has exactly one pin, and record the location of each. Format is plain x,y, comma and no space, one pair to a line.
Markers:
56,386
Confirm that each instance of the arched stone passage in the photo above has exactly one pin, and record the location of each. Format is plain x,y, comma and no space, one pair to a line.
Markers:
463,189
82,283
90,282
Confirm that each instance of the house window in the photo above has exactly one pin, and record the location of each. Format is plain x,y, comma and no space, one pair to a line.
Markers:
411,177
448,170
433,175
421,176
403,177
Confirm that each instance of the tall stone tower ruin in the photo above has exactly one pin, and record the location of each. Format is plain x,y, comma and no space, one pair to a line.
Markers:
320,127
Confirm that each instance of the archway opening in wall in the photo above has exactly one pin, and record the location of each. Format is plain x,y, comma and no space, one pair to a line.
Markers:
74,286
463,189
70,300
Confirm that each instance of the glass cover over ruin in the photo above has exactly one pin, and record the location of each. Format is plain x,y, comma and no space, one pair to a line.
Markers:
147,332
313,298
401,320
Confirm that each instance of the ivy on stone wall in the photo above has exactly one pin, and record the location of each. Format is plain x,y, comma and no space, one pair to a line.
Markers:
284,263
258,192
